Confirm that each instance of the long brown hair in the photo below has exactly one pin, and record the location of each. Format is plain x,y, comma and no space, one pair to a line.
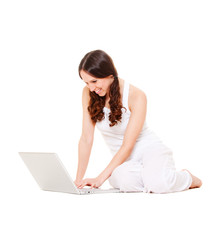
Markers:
100,65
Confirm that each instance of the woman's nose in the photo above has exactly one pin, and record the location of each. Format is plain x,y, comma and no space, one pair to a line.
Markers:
91,88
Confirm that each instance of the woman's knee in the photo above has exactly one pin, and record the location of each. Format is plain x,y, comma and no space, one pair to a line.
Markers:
166,182
127,178
117,176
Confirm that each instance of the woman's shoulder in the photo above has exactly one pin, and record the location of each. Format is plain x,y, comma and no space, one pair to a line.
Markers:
135,92
136,95
85,95
85,92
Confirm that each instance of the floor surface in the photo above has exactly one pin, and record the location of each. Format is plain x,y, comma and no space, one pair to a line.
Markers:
30,213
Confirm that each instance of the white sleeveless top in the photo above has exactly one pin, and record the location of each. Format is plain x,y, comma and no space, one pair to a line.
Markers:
113,136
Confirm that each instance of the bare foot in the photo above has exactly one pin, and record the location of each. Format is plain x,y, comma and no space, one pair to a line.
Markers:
196,182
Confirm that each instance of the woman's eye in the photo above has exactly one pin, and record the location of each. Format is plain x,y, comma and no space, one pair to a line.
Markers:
94,81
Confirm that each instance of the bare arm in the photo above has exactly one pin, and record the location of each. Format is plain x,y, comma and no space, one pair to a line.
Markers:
138,107
86,139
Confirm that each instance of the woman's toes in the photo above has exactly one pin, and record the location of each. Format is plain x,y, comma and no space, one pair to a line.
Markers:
196,182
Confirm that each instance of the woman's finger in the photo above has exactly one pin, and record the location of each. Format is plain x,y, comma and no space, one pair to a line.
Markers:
82,185
85,183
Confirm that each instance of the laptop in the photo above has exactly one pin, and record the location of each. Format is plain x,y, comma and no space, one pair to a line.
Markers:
50,174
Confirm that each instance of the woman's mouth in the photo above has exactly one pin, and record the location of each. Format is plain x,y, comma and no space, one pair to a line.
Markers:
98,91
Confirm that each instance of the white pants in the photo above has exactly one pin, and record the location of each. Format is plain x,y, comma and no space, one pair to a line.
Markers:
154,172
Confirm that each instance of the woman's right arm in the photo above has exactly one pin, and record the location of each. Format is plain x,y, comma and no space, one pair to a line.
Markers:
86,139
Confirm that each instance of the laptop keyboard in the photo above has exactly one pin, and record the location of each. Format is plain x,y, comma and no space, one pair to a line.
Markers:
97,190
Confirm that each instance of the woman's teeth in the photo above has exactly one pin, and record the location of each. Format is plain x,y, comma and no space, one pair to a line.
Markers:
98,91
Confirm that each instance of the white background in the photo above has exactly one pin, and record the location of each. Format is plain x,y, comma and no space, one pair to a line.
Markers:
163,47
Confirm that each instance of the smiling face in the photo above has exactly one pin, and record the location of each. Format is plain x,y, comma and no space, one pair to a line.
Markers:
100,86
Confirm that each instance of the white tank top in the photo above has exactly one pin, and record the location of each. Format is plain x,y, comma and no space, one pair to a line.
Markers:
113,136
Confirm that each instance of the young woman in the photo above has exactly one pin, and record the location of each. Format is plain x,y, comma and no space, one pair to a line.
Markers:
140,162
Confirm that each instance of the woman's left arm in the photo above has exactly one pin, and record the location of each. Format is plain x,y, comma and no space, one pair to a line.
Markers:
138,108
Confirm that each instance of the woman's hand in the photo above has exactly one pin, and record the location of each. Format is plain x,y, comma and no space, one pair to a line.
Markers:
93,182
78,182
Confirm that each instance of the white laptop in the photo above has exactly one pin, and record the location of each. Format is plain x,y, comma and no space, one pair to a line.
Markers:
50,174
